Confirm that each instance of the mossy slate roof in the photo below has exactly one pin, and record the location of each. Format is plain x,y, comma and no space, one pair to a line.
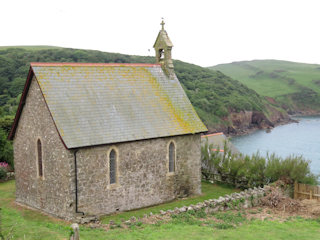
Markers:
94,104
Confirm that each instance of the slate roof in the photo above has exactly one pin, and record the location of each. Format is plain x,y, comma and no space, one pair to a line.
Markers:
94,104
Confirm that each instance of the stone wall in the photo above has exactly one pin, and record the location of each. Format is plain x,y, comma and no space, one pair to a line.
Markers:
143,177
54,193
242,200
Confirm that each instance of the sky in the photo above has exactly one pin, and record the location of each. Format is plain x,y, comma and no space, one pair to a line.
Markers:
203,32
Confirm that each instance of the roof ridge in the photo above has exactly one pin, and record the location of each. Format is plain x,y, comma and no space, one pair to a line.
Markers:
61,64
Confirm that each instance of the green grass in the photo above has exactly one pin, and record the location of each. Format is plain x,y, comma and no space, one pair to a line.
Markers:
32,225
25,222
246,72
295,229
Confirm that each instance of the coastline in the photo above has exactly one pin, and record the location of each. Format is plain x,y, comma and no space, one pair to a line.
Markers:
251,129
280,122
292,139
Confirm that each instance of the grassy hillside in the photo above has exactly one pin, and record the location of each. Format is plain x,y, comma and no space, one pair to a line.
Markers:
295,85
213,94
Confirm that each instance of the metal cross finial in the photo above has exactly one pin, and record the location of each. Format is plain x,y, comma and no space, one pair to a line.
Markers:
162,24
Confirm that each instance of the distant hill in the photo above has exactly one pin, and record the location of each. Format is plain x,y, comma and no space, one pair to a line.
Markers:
216,97
295,86
40,47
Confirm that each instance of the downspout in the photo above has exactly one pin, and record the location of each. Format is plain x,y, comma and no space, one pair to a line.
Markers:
76,179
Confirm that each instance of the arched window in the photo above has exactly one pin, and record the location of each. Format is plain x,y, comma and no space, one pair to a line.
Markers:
113,166
40,165
161,55
172,157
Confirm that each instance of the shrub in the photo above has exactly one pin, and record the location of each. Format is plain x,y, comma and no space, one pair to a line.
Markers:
3,174
255,170
4,168
293,167
6,151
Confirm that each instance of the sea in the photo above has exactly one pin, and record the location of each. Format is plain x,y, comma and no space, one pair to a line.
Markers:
302,138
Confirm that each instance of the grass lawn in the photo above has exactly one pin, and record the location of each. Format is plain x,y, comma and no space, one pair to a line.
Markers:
29,224
269,230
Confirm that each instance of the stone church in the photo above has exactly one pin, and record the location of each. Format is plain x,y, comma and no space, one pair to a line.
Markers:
94,138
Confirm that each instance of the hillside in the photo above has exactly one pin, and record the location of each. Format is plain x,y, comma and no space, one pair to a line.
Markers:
216,97
295,86
39,47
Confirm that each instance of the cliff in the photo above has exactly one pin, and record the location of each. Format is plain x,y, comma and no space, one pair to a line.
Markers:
244,122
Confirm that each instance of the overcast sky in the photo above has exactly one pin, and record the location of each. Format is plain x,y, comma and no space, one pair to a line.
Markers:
203,32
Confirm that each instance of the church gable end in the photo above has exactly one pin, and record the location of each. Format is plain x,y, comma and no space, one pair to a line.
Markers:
42,163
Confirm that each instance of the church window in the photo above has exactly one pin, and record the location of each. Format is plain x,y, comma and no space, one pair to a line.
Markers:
113,166
172,157
40,164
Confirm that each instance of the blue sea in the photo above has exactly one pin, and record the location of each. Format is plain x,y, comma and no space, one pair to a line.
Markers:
301,138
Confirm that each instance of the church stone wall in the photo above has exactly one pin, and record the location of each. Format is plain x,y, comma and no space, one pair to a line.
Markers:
143,177
54,192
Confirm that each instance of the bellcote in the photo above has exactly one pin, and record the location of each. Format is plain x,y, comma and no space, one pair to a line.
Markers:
163,47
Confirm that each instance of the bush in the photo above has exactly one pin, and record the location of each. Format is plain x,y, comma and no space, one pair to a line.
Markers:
293,167
4,167
6,151
3,174
255,170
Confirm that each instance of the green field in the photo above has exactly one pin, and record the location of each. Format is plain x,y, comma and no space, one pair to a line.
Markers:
28,224
287,82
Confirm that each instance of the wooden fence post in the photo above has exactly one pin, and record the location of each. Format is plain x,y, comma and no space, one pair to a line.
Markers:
296,186
75,235
310,194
